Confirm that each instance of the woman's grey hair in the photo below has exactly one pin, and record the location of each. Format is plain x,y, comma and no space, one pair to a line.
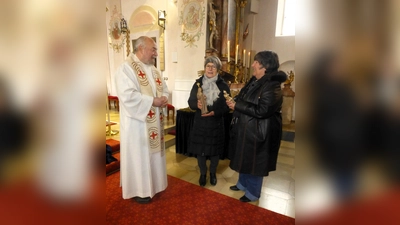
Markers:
214,60
268,59
141,41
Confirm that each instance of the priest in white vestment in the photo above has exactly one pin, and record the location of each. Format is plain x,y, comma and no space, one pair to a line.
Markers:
142,94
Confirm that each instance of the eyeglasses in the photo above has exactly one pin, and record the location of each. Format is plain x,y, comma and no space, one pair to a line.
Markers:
211,67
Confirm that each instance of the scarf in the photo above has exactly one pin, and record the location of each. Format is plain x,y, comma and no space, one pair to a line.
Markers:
210,89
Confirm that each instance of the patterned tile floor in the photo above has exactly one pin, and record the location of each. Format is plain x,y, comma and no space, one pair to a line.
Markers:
278,188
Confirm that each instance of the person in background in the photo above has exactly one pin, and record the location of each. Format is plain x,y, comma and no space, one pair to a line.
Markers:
339,126
142,94
256,127
207,136
14,131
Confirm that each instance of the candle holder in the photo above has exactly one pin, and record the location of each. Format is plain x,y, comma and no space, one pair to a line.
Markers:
249,74
238,71
245,73
228,67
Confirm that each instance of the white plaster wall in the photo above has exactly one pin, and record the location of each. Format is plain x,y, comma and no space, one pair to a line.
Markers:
264,32
114,58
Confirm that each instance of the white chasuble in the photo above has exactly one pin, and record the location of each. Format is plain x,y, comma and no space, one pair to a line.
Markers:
143,165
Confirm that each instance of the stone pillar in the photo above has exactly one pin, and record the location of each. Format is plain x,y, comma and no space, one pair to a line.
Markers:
287,105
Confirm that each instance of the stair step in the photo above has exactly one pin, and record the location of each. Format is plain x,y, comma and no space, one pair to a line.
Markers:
285,160
168,129
288,152
288,144
169,140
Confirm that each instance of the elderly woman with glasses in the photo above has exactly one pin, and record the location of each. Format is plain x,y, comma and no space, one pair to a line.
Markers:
207,135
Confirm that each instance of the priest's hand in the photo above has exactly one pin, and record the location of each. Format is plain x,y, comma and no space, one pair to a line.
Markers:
160,101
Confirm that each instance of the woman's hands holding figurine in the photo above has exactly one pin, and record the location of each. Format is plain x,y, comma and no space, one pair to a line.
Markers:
231,104
199,105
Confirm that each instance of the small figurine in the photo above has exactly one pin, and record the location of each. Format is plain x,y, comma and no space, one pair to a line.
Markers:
202,98
227,97
290,78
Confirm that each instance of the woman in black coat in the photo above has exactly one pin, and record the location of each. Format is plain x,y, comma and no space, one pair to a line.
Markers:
256,127
207,136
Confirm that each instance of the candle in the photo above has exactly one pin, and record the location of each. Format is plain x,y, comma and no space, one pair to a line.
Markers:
229,51
237,53
248,62
244,57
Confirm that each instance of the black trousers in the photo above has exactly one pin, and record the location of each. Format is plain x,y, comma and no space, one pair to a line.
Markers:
201,160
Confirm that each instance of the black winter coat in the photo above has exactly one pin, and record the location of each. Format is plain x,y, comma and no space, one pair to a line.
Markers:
256,128
208,133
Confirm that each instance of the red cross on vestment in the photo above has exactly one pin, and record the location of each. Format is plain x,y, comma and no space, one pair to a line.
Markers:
141,74
158,81
151,114
153,135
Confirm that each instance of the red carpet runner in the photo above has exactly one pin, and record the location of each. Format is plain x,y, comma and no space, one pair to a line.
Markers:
185,203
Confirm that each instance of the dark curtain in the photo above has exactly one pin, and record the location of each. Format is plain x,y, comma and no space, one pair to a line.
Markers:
184,124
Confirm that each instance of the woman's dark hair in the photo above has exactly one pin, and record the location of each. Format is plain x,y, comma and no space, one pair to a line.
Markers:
268,59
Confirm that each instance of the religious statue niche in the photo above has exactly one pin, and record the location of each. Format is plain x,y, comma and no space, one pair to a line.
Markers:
246,32
288,99
212,22
225,18
116,37
202,98
287,90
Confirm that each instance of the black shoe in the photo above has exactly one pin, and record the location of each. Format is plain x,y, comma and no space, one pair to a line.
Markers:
142,200
244,199
202,180
234,188
213,179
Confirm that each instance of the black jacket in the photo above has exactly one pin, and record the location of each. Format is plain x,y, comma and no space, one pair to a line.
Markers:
256,128
208,133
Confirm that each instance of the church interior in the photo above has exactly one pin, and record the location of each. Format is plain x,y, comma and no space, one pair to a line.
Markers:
57,69
186,31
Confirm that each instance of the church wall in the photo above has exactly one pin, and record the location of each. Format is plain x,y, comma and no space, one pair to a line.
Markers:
264,32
